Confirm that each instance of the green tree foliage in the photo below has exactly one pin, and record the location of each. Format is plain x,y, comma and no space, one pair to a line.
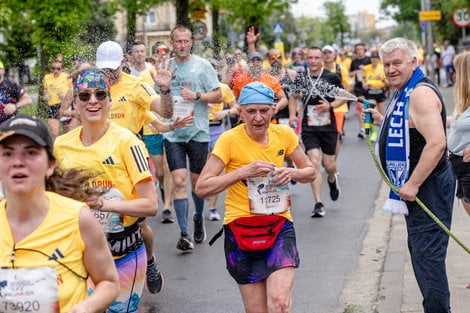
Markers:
408,11
99,26
336,19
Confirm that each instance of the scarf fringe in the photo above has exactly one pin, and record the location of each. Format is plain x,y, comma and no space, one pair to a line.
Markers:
395,207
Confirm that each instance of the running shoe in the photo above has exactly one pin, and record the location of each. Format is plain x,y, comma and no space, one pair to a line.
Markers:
214,215
185,244
362,134
167,218
154,276
199,231
335,191
319,210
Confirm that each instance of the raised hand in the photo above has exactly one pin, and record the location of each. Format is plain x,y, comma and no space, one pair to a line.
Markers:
251,36
164,74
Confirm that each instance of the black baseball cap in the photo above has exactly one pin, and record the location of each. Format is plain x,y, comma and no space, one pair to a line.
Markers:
28,126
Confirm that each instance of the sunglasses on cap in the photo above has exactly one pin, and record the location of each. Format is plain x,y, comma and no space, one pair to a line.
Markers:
86,95
275,56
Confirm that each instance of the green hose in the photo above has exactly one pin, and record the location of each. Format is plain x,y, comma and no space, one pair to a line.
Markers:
420,203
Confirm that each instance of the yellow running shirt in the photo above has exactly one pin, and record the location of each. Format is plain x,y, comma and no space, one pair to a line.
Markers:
131,98
236,149
227,96
118,158
55,86
374,77
58,236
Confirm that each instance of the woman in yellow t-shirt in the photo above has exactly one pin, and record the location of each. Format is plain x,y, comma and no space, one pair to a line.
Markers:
119,161
252,156
49,243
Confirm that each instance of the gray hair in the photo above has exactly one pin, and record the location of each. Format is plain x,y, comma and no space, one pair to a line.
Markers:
399,43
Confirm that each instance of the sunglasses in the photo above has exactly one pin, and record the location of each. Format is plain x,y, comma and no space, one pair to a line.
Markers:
56,68
162,50
86,95
275,56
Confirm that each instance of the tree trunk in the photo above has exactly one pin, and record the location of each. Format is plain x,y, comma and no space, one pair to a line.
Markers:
182,12
43,66
215,32
131,27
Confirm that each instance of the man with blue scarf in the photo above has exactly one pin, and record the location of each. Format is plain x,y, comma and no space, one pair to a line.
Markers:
411,147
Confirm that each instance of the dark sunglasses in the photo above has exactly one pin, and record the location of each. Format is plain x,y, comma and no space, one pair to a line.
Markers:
86,95
56,68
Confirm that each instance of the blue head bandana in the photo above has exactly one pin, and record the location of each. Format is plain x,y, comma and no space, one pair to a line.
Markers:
256,93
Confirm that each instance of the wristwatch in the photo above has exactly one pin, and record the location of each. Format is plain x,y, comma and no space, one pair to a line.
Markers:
198,95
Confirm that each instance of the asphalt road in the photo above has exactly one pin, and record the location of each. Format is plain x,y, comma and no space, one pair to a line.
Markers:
329,247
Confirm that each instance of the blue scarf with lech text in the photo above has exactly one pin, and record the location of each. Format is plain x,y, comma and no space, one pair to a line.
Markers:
397,147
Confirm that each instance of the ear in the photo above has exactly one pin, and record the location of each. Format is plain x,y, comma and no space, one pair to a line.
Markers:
50,170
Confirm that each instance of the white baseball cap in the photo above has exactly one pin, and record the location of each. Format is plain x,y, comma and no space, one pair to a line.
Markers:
109,55
328,48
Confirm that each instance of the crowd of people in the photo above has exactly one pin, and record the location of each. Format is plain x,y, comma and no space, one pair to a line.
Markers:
127,127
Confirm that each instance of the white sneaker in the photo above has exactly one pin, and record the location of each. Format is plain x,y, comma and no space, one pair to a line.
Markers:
214,215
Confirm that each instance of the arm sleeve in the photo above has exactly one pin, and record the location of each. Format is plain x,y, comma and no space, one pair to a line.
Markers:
222,148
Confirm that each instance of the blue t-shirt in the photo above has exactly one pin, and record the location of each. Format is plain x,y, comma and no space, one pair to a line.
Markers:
198,75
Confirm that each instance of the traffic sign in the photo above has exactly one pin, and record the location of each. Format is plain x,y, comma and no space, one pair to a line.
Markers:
461,18
429,15
278,29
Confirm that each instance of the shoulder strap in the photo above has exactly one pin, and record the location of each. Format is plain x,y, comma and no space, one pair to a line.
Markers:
216,236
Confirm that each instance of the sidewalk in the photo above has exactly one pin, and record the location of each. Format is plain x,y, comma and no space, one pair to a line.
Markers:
398,290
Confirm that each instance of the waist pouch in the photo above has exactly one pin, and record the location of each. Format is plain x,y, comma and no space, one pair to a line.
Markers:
256,233
130,239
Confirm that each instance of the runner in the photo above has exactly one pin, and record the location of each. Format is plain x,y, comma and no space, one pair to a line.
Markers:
12,96
56,85
132,101
355,71
49,242
265,274
375,84
194,84
319,133
119,166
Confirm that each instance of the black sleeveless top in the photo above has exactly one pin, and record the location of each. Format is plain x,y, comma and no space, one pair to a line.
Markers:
286,83
417,141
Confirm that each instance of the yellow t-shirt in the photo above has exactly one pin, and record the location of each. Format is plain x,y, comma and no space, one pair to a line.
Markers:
118,158
346,82
55,86
374,76
228,97
346,62
231,148
131,98
59,237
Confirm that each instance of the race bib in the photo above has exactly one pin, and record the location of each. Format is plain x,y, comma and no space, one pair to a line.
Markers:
29,290
315,118
102,216
181,107
267,199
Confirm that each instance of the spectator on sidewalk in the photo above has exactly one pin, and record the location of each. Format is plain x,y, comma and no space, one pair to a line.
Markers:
459,135
412,151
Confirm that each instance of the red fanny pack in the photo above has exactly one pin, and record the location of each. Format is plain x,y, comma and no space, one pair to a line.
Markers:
256,233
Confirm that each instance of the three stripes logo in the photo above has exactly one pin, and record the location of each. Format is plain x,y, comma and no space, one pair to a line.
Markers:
122,99
139,158
56,255
109,161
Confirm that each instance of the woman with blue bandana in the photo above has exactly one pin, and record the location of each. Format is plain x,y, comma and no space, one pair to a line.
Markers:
117,158
411,147
260,245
